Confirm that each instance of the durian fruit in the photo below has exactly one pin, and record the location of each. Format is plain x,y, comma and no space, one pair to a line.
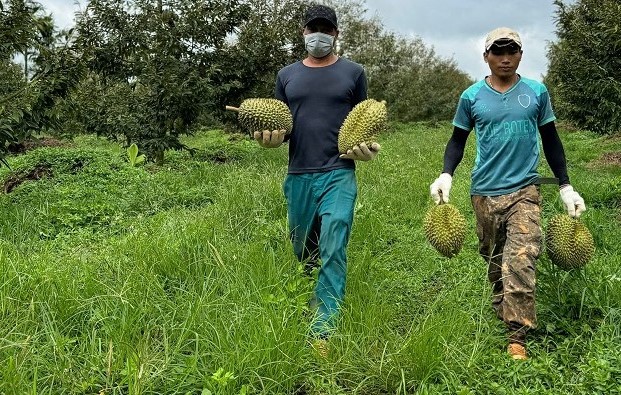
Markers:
569,242
258,114
363,124
445,229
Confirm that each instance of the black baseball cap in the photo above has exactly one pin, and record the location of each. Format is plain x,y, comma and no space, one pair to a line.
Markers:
319,11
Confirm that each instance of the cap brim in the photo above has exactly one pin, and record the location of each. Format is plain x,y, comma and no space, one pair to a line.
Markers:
321,19
503,42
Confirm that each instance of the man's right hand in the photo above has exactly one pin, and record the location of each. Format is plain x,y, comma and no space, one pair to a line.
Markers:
267,139
441,188
573,202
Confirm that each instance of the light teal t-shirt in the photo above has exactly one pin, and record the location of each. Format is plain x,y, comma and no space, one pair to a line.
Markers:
506,127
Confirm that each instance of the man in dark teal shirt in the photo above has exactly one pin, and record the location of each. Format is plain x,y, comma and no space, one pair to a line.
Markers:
320,186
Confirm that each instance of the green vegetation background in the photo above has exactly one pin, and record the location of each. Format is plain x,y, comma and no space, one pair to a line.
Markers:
181,280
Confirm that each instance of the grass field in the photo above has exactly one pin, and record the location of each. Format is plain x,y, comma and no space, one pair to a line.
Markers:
181,279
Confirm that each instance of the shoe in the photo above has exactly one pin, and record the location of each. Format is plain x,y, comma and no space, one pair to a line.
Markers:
321,347
517,351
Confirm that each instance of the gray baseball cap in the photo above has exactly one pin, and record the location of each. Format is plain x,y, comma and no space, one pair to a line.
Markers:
502,34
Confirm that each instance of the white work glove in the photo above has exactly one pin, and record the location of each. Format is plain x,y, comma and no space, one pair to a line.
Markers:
362,152
441,186
267,139
572,201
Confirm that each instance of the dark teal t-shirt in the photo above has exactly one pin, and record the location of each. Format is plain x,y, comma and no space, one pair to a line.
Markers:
506,126
319,99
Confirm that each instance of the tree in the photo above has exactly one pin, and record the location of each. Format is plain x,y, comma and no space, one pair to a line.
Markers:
50,70
24,29
584,75
12,87
162,55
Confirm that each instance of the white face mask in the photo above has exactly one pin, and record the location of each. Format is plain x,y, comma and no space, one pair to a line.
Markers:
318,44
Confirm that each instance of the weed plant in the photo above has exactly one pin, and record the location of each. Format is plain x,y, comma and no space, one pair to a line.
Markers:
180,279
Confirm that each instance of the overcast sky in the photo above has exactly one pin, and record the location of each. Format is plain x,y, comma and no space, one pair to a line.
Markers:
455,28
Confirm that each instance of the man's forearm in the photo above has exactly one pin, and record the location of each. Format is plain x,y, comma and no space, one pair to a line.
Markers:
454,152
554,152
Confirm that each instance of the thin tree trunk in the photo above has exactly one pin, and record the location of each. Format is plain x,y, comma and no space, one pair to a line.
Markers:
26,64
159,157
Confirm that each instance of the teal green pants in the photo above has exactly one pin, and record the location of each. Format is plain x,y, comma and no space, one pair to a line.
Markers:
320,212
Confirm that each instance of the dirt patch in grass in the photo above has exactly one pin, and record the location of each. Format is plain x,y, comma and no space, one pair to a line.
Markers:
613,137
28,145
611,159
607,159
16,179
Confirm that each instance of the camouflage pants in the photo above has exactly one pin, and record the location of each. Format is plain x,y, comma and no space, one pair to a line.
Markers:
509,231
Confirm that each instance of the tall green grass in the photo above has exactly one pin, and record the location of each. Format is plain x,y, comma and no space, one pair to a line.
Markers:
181,279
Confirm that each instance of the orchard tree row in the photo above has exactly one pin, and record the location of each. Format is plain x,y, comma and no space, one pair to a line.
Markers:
149,71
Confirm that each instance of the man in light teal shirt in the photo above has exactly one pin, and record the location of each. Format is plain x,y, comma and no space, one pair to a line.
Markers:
506,125
508,112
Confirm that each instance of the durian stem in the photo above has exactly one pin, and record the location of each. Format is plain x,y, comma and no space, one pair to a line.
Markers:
231,108
441,198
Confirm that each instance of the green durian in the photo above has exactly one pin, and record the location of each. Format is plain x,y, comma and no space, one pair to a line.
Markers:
363,124
258,114
445,229
569,243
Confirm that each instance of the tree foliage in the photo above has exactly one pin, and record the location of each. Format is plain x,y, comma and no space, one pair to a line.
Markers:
25,29
416,83
28,99
584,74
156,59
12,87
20,21
148,71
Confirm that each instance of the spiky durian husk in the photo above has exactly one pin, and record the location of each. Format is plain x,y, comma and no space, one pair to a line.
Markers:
445,229
363,124
569,242
259,114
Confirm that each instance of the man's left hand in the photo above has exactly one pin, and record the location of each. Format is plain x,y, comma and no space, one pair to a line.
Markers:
362,152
